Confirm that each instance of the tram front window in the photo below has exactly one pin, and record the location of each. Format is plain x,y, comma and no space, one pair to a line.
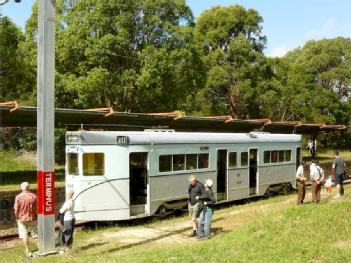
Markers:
72,159
93,164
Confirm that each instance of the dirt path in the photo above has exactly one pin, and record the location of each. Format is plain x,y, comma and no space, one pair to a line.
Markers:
172,232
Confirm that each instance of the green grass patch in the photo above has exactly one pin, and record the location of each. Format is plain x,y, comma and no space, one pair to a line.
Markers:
17,167
268,233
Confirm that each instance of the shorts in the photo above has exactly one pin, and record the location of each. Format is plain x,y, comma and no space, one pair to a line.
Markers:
194,210
25,227
328,190
339,178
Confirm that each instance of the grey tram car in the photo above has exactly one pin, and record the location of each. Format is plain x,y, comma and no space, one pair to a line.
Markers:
123,175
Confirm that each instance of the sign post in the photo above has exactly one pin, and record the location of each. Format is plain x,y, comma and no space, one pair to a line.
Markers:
45,126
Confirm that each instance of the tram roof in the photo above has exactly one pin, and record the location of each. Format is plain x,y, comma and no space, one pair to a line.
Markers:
14,115
159,137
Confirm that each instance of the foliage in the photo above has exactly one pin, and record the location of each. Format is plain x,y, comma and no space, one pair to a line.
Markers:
150,56
14,77
232,43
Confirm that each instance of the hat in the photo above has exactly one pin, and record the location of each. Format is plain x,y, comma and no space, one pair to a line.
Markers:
209,182
192,178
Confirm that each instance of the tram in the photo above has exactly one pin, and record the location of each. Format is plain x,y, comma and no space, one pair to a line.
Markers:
119,175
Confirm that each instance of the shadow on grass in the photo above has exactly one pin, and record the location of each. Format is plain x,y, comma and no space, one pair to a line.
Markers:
92,245
167,233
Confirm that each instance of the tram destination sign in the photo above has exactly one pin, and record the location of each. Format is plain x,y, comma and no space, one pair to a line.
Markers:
122,140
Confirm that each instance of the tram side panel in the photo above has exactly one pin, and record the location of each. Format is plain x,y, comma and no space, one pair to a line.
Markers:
277,166
238,184
102,186
169,181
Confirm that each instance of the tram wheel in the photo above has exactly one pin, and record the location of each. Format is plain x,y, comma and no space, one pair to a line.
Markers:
286,188
162,211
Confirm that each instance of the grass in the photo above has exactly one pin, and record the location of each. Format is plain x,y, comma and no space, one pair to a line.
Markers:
326,155
17,167
272,230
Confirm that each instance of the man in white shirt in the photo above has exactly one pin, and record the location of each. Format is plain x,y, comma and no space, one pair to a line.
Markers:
317,177
300,183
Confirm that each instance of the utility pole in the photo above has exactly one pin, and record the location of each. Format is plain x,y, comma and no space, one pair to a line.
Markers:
45,126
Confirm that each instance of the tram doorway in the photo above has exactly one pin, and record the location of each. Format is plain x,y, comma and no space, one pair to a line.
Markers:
298,157
221,175
253,171
138,181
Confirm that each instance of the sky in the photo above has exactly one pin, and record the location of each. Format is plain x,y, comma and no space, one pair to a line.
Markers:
287,24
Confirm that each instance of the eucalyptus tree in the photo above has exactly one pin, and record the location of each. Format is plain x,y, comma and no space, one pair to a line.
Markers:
131,55
14,73
320,75
232,43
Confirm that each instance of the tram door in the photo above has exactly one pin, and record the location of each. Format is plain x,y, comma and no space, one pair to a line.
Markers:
221,175
138,181
298,157
253,171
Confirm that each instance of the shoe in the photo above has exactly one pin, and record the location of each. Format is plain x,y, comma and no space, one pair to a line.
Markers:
193,234
203,238
29,254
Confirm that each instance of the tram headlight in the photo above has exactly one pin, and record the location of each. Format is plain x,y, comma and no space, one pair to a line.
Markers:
72,138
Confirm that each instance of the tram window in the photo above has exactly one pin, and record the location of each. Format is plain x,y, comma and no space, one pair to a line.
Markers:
244,158
267,157
274,156
165,164
288,156
203,160
281,156
72,159
232,160
178,162
191,161
93,164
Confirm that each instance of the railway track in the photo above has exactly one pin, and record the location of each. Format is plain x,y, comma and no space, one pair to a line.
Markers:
11,237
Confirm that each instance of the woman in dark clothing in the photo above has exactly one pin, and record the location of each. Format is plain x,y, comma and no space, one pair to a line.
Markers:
205,220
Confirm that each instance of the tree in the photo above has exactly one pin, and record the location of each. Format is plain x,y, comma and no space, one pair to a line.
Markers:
232,43
15,82
126,54
316,79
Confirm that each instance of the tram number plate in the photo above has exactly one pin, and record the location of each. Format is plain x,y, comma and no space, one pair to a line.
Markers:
122,140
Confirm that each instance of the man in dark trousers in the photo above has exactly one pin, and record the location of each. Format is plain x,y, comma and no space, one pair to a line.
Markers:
300,183
339,171
195,189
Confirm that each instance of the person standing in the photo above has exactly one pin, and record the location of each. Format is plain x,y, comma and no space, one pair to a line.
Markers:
205,219
195,189
317,177
26,215
66,230
339,171
300,182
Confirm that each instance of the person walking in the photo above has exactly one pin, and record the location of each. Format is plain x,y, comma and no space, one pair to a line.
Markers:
66,230
26,215
317,177
207,200
339,170
195,189
300,183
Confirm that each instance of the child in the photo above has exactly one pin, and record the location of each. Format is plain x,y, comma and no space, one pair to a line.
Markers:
328,184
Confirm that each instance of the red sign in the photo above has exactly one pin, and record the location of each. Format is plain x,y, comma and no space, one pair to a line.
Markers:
46,193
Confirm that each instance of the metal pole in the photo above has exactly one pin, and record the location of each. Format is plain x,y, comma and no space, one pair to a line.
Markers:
45,126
